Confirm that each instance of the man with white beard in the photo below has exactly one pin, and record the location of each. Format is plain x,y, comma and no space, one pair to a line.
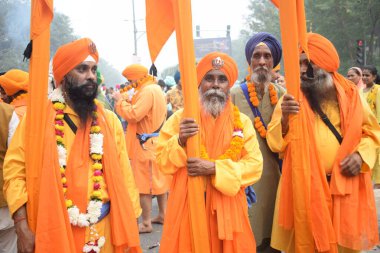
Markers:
257,98
230,161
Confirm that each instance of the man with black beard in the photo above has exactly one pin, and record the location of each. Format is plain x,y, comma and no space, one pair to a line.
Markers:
325,201
85,187
257,98
230,160
80,96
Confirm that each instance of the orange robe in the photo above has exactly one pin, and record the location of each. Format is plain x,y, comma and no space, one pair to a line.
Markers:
15,175
145,114
328,148
225,200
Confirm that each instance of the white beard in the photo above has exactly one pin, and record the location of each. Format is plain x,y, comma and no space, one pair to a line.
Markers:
214,101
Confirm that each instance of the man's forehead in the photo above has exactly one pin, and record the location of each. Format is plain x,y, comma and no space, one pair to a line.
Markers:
87,63
215,72
261,47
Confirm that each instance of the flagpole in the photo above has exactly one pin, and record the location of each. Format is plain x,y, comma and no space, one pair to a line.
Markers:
186,57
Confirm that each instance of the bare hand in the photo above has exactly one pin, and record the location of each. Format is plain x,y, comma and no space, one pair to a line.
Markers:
187,128
351,165
200,167
25,237
288,106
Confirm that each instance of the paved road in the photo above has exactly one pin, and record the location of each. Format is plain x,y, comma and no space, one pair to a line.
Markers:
150,242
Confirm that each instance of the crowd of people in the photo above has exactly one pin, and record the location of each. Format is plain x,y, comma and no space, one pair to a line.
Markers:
109,150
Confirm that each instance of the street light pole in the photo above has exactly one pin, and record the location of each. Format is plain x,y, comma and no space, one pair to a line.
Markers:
134,26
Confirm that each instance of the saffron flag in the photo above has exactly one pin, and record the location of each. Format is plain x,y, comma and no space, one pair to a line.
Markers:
297,206
162,18
41,17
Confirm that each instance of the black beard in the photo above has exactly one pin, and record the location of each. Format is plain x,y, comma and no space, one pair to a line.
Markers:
81,97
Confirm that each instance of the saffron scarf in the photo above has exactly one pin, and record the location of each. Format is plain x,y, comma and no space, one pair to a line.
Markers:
307,204
53,224
226,227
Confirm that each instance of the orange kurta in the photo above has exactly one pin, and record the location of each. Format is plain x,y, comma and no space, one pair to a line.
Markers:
146,113
15,174
225,202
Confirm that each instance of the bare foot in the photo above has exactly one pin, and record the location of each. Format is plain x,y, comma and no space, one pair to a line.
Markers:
158,220
144,228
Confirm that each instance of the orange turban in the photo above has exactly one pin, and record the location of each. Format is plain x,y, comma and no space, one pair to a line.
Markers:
70,55
218,60
322,52
135,72
14,80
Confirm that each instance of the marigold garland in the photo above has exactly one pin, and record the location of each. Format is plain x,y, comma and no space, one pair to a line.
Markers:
128,87
258,121
253,94
93,214
237,142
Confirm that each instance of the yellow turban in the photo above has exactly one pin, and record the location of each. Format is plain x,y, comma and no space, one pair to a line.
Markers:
70,55
277,68
221,61
135,72
14,80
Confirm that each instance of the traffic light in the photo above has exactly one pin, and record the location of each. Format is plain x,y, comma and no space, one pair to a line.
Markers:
360,52
228,31
198,31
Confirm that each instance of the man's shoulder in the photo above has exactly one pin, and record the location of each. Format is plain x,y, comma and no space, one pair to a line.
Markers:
6,107
281,90
236,89
110,115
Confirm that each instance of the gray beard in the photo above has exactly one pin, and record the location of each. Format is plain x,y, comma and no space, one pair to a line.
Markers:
319,90
214,101
261,75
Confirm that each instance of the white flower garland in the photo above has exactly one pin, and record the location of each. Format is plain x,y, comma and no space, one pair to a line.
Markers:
95,205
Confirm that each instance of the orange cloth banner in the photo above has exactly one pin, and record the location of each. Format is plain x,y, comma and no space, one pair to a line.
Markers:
163,17
41,17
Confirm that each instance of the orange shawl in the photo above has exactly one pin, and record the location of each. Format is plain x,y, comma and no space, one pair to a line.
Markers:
54,232
228,224
345,213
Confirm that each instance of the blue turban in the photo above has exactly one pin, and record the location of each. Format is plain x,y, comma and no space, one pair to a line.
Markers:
269,40
177,77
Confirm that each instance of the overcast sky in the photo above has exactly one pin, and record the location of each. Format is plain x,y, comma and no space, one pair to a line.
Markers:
109,24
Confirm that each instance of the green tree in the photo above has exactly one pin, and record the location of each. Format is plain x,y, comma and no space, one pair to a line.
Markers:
341,21
14,33
15,36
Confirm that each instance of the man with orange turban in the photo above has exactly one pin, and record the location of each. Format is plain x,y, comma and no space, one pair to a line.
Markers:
84,198
230,161
257,98
145,113
14,88
325,201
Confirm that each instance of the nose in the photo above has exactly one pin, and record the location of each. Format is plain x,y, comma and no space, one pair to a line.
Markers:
92,75
216,84
262,61
303,68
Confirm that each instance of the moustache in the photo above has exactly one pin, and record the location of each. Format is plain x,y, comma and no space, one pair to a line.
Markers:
261,69
215,93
